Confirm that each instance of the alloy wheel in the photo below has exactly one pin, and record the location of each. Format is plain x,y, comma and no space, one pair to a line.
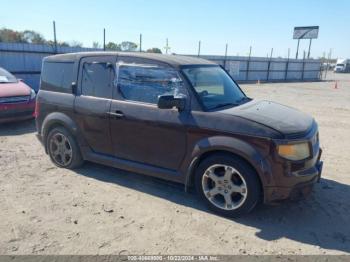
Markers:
224,187
61,149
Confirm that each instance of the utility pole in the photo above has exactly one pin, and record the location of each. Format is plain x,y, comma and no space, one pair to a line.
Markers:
140,42
199,48
54,36
167,47
296,56
308,53
104,39
287,65
225,55
248,63
329,59
269,65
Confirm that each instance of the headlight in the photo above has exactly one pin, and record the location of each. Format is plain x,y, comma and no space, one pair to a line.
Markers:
294,151
32,94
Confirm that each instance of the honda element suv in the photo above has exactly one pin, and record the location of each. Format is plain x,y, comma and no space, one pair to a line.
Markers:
178,118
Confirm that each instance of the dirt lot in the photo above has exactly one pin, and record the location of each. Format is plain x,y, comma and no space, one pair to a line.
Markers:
100,210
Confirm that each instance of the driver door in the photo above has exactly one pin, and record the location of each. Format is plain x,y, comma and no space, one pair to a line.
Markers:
140,131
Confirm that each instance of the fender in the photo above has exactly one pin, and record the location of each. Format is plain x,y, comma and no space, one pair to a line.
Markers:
230,145
58,118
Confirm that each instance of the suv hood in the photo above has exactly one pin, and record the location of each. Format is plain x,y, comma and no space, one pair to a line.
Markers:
282,118
14,89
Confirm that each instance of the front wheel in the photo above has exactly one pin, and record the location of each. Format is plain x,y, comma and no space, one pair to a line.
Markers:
227,184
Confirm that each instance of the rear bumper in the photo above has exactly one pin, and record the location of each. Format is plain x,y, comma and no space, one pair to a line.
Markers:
298,190
17,111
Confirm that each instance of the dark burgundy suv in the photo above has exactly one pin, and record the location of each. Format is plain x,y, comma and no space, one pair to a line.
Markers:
178,118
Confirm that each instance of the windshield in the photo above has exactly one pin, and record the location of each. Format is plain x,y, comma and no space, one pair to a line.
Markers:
214,87
6,77
340,65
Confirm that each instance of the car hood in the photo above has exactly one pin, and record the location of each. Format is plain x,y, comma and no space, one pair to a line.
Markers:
282,118
14,89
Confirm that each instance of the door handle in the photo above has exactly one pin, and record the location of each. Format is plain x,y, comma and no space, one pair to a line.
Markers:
116,114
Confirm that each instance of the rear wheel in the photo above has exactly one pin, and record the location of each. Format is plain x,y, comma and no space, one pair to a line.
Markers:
227,184
63,149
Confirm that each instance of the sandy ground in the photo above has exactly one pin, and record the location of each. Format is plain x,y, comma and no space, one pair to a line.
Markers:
101,210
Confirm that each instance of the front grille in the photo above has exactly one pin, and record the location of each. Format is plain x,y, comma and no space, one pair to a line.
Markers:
14,99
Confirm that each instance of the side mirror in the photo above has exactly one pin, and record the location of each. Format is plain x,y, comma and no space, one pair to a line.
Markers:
74,87
169,101
109,65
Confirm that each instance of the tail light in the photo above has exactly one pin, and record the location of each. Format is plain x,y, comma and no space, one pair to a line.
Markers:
37,109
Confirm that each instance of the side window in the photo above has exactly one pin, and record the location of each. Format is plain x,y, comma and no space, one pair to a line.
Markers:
144,83
96,80
57,76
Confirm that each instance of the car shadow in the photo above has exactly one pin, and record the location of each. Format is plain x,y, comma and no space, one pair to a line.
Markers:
320,220
17,128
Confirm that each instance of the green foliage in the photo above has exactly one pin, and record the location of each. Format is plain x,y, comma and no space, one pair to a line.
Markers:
154,50
33,37
128,46
75,44
123,46
30,37
8,35
113,46
96,45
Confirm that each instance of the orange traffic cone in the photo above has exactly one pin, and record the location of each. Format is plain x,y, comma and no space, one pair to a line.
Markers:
336,85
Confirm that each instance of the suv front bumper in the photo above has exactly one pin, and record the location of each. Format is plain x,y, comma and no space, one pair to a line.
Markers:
301,185
17,111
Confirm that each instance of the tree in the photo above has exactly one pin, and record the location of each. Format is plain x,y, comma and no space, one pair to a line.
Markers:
33,37
62,43
75,44
96,45
154,50
11,36
113,46
128,46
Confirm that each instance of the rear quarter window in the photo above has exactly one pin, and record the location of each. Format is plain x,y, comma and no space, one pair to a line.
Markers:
57,76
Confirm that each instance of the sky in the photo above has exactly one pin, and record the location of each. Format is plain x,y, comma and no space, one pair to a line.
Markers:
241,24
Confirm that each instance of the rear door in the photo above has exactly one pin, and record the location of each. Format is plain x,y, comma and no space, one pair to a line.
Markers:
93,101
140,131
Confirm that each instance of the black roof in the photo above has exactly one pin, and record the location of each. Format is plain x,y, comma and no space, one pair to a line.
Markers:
173,60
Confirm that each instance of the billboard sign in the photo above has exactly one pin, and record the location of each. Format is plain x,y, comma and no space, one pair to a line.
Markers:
305,32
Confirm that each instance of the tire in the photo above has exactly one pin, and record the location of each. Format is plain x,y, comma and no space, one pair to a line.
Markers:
61,143
217,187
